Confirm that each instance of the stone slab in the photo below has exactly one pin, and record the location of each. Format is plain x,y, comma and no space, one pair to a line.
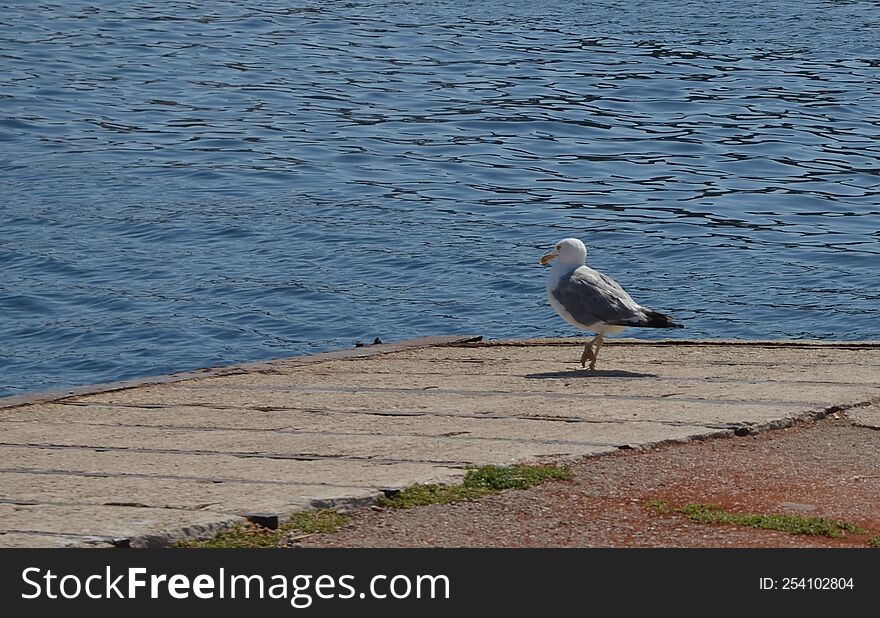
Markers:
865,416
144,463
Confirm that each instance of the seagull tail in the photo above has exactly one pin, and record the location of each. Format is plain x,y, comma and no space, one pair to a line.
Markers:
659,320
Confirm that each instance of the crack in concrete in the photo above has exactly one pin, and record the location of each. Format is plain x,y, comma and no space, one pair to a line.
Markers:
476,393
461,435
241,454
402,413
184,477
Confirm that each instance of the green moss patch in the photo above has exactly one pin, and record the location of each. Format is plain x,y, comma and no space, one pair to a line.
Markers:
251,535
792,524
478,482
325,521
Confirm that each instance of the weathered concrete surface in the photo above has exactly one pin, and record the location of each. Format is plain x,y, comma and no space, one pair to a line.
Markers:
866,416
143,464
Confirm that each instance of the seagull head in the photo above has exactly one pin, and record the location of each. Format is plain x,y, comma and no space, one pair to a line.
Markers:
567,251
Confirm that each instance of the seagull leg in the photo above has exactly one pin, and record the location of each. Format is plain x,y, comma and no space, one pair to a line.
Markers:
589,354
599,340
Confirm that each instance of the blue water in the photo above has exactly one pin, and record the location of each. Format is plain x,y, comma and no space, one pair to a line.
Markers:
187,184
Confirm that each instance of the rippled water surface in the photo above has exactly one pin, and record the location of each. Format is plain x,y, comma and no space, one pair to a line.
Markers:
185,184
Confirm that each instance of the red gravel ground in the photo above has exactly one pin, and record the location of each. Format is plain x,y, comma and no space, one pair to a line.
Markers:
824,468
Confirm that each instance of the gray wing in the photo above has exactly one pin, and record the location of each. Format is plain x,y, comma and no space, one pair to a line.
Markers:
590,297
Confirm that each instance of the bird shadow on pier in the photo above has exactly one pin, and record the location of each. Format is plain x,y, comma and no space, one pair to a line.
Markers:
583,373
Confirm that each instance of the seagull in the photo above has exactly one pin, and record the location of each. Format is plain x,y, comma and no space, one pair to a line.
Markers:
592,301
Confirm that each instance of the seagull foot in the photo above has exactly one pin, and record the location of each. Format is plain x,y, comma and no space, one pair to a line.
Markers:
588,354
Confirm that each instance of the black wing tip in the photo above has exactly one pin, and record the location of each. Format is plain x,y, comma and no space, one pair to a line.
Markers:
660,320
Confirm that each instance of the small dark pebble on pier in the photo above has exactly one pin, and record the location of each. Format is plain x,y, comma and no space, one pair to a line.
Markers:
361,344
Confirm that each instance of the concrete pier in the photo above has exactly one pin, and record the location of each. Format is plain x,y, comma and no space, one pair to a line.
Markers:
149,462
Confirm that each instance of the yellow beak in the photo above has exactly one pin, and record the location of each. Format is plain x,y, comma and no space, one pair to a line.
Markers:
547,258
